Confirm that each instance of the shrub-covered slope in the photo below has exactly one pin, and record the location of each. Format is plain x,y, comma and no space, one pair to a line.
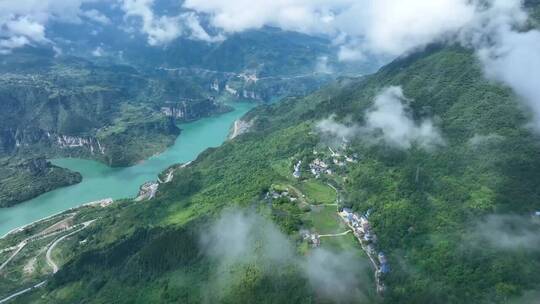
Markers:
23,180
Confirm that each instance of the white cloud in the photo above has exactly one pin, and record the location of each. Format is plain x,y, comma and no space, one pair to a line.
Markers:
333,129
336,276
480,140
241,237
96,16
509,55
508,232
494,28
350,53
388,26
165,29
312,16
160,30
6,45
397,27
98,52
25,27
20,31
391,121
322,66
197,32
515,61
23,22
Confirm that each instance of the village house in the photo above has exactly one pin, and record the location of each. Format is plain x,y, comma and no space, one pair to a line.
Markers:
315,240
385,268
371,249
318,167
351,159
312,238
338,163
297,172
362,228
274,195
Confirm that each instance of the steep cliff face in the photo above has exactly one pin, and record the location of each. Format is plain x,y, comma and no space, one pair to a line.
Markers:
192,109
22,180
122,147
251,85
111,114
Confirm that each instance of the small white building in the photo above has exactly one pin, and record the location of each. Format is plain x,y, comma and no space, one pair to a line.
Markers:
297,172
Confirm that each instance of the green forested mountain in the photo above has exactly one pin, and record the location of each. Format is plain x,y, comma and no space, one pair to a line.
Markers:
442,215
23,180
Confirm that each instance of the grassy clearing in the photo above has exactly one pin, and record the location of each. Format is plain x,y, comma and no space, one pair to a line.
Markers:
342,243
318,192
325,220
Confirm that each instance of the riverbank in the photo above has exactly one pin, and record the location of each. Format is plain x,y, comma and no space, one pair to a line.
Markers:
100,181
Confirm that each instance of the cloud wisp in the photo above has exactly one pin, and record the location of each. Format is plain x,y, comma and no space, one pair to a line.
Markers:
391,121
24,22
331,129
508,232
162,30
509,52
241,237
388,120
495,29
361,25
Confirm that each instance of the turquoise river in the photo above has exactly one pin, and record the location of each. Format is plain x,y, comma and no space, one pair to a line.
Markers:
101,181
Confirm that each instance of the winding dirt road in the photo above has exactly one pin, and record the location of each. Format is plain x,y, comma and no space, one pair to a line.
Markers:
50,262
335,234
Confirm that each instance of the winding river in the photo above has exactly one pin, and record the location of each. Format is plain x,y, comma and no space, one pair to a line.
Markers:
101,181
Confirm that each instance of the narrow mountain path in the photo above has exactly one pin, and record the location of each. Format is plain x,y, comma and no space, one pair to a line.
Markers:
335,234
43,234
169,177
48,257
20,247
12,296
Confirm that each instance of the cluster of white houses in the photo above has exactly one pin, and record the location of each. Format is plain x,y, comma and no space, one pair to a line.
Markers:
312,238
273,195
325,164
318,167
363,232
340,159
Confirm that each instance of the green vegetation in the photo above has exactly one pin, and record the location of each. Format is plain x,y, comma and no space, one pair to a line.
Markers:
75,105
425,205
23,180
325,220
323,193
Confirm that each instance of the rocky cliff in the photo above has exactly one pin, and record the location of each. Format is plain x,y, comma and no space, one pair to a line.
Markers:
192,109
